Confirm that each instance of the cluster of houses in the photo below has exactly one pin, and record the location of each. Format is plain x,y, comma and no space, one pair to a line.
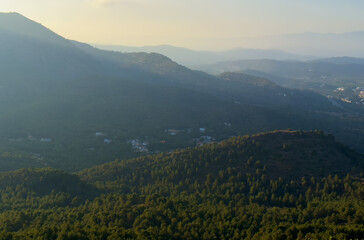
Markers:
346,99
199,141
172,131
101,134
361,94
339,89
203,140
357,97
138,145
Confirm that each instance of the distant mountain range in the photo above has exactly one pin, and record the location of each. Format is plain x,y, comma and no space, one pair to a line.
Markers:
340,78
306,46
309,43
317,44
340,71
342,66
69,105
193,58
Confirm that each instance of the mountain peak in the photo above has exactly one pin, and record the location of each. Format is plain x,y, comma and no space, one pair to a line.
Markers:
13,20
15,23
12,14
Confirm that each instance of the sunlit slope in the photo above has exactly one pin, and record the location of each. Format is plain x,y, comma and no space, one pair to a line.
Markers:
56,94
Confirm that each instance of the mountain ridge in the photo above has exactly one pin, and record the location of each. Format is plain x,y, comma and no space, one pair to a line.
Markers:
194,58
18,24
282,153
68,94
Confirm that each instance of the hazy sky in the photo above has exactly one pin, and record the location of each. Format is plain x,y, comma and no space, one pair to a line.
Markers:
198,24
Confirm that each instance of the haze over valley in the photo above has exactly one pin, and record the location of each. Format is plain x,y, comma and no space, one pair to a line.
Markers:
72,91
264,140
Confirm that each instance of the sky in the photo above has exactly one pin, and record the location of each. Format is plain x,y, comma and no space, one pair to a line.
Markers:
196,24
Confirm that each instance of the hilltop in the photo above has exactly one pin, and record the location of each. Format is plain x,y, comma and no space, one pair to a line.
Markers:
16,24
285,154
285,184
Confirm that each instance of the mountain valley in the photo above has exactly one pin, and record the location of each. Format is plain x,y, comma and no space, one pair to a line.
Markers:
63,100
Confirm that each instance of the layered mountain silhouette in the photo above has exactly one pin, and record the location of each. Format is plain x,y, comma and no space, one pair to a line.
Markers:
341,66
193,58
56,94
320,75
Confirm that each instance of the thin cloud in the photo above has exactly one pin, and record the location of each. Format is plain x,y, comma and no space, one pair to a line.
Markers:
113,2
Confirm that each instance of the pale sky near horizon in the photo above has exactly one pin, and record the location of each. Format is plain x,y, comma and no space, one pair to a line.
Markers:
197,24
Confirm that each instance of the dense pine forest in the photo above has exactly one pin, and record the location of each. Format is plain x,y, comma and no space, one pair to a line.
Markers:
275,185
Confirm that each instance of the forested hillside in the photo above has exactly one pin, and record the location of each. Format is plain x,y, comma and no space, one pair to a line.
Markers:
243,188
